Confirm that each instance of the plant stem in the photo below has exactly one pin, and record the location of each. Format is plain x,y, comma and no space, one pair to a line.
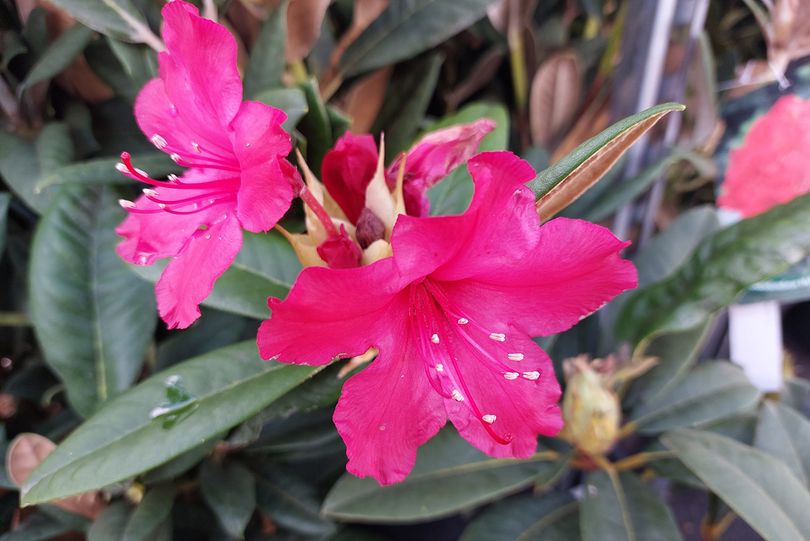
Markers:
640,459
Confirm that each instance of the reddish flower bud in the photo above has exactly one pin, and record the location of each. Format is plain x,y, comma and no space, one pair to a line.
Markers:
340,251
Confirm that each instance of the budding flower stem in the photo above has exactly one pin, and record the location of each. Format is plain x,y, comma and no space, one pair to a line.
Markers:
312,202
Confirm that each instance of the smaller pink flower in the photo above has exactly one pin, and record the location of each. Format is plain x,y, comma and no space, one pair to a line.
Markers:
771,167
238,177
452,314
348,168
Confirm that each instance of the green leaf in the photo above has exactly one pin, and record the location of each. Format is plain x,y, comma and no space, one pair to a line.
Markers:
58,55
407,28
265,266
406,101
93,322
450,475
113,18
758,487
150,514
315,125
5,200
229,489
552,517
720,269
623,508
453,194
785,433
266,65
23,161
110,524
711,391
290,100
102,171
796,394
290,502
37,527
138,61
145,427
559,185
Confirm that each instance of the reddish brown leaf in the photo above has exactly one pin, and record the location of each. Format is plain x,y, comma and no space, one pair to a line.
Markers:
554,97
365,98
304,20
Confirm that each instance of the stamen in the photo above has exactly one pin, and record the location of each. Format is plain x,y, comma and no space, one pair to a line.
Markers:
511,375
515,356
159,141
498,336
127,204
531,375
463,321
457,396
175,157
121,168
489,418
434,338
196,147
440,368
149,192
172,178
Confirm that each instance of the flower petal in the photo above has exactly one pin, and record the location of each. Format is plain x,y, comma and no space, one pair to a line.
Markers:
574,269
199,70
156,234
333,313
347,169
433,157
386,412
266,188
190,276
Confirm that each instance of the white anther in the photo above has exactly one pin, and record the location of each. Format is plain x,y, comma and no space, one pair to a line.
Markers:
515,356
434,338
457,396
196,147
149,192
488,418
511,375
121,168
531,375
172,178
463,321
440,367
175,157
127,204
141,172
161,205
498,336
158,141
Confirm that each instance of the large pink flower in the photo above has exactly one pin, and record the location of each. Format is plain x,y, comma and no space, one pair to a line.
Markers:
452,314
348,168
237,177
770,168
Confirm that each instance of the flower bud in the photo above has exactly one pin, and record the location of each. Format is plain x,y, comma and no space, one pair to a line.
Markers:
591,411
340,251
369,228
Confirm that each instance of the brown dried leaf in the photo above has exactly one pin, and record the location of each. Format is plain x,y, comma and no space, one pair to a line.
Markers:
365,12
499,12
554,97
480,76
26,452
304,20
365,98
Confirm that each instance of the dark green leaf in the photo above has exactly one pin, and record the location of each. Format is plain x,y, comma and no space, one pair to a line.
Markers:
290,502
406,101
102,171
266,64
796,394
453,194
785,433
407,28
137,61
559,185
139,430
711,391
212,331
450,475
93,322
154,510
5,200
114,18
229,489
183,462
37,527
624,509
110,525
721,268
758,487
290,100
552,517
58,55
265,266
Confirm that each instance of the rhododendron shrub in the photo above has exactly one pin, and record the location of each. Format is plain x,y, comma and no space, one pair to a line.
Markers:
253,292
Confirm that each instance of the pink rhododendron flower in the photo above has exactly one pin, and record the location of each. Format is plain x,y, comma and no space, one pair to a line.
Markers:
237,177
770,168
452,314
348,168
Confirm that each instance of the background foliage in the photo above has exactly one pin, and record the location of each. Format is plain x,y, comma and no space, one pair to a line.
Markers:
188,435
